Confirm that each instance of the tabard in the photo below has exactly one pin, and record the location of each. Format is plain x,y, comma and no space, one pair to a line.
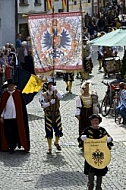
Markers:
96,152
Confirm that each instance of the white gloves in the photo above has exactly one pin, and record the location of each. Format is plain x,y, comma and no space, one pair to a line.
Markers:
83,137
109,139
53,88
52,101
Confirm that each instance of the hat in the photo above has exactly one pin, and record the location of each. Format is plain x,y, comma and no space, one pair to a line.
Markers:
50,80
11,81
86,84
95,116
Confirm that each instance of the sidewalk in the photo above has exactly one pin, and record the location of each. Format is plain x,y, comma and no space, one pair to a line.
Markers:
62,170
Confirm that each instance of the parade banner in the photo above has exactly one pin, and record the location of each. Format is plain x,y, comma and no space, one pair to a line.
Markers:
56,41
49,4
96,152
64,4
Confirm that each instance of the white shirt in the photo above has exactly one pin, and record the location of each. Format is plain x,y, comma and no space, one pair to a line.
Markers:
46,104
9,111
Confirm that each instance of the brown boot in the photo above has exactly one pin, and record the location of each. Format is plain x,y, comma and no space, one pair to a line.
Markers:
57,146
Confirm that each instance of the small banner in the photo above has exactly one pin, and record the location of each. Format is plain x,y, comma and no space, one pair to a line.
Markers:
64,4
96,152
49,4
56,41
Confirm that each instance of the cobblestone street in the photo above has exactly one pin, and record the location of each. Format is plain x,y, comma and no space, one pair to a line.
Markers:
62,170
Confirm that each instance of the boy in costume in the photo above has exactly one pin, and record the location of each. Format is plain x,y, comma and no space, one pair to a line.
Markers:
50,102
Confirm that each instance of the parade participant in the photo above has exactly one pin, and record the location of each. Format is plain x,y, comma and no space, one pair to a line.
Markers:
94,131
85,105
68,78
13,118
86,58
50,102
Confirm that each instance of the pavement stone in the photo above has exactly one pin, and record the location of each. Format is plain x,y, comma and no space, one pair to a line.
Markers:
62,170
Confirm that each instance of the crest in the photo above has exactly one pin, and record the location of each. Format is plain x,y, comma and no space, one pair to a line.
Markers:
96,152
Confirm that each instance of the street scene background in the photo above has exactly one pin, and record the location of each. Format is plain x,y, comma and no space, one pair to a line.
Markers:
63,170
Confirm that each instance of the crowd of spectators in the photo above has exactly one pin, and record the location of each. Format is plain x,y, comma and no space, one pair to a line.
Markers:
109,18
12,56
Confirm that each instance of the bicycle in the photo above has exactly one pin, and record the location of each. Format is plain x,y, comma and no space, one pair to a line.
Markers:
107,105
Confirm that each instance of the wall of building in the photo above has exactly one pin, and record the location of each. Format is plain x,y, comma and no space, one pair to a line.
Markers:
31,7
7,21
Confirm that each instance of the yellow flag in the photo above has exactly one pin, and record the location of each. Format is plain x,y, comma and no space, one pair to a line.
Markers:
64,4
34,84
49,4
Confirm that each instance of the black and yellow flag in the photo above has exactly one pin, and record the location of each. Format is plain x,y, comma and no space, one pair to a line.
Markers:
28,83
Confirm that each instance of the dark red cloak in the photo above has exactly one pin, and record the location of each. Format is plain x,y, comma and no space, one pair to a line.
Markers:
22,120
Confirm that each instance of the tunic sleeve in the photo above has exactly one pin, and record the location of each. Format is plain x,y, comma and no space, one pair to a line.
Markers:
78,106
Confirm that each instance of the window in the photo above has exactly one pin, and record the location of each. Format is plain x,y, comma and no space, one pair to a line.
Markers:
37,2
23,3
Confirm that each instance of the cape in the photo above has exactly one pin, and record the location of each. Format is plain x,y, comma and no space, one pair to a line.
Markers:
22,120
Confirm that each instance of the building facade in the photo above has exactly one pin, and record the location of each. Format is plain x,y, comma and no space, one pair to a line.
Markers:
7,22
14,14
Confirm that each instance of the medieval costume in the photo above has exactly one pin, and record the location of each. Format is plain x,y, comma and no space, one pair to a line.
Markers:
86,104
95,132
68,78
50,102
86,59
14,129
